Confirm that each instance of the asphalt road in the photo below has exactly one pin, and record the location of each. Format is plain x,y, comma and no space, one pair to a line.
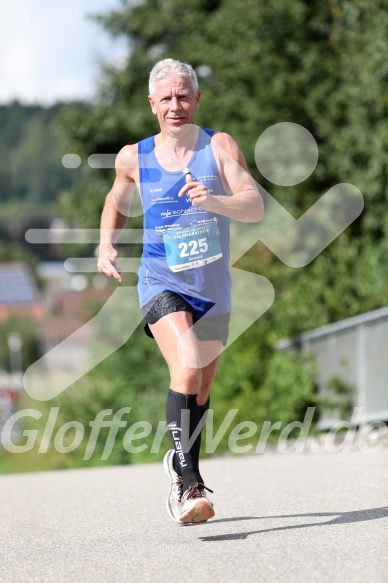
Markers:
279,518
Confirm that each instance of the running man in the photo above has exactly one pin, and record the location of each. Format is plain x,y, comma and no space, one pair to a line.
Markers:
192,181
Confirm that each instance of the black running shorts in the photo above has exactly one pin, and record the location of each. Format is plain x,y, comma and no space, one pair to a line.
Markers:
206,327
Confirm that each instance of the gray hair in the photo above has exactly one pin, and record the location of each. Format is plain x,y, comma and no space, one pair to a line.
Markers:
164,68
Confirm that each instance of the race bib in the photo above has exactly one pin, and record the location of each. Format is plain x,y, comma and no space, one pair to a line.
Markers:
191,247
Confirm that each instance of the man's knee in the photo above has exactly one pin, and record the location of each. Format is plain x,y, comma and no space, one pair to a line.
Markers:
188,377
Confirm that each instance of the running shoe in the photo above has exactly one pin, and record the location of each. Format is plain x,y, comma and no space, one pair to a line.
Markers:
196,506
173,502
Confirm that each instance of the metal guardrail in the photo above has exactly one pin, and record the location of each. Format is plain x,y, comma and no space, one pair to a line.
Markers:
356,351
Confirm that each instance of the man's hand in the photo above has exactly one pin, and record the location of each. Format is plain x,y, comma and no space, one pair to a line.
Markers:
107,263
197,192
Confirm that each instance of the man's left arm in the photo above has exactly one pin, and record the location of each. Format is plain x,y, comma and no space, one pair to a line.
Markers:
246,203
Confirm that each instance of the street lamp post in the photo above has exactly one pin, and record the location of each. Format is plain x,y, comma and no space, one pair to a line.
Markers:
15,344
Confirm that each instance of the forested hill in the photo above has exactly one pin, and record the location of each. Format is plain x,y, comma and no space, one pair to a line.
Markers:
31,170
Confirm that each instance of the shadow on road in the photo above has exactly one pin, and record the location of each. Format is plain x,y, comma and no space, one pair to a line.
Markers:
340,518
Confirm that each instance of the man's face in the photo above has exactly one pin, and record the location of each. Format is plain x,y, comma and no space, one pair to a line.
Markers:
174,102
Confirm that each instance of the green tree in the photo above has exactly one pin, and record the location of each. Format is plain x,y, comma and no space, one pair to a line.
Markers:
317,64
31,147
31,173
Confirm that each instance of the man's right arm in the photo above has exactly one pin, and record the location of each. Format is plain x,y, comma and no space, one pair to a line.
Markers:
116,211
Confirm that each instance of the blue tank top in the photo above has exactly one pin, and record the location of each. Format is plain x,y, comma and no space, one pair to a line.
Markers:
185,248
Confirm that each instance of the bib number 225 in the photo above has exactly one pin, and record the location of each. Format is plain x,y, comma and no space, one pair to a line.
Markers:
193,247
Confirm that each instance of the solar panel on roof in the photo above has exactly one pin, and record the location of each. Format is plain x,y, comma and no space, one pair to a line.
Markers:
17,286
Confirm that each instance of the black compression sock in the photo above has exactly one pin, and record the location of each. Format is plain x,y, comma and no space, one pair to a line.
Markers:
182,413
202,410
176,466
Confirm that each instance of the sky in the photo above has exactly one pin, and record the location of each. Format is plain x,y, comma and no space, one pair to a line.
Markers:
49,51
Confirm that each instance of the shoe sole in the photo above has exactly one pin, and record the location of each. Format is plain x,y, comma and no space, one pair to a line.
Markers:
166,469
201,512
